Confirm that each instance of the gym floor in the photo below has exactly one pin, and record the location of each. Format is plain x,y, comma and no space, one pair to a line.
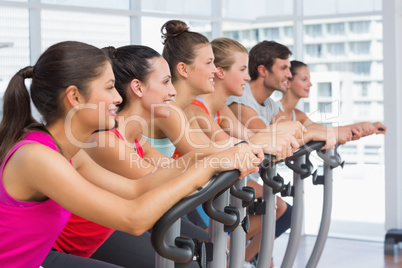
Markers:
338,252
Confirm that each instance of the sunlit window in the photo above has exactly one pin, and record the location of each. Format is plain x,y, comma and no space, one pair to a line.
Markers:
336,49
359,27
336,28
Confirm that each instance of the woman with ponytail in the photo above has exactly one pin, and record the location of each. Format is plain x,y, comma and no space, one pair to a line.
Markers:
191,63
143,82
190,59
45,175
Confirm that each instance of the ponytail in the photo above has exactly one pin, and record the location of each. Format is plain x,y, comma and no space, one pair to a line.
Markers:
180,45
61,65
130,62
16,111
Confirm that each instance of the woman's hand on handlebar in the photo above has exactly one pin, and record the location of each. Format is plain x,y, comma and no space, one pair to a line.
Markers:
363,129
281,145
330,141
380,128
241,157
326,134
294,128
343,134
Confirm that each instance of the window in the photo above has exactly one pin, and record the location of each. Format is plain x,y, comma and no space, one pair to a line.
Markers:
361,68
336,28
363,109
324,89
325,107
314,51
313,30
288,32
336,49
201,27
333,7
360,48
372,149
176,6
255,35
306,107
361,89
364,91
272,33
339,67
14,38
116,4
359,27
95,29
350,149
263,8
232,34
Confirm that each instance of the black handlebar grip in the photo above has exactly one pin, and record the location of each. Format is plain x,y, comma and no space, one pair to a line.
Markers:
184,254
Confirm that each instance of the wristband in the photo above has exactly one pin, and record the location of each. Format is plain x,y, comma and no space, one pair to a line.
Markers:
240,143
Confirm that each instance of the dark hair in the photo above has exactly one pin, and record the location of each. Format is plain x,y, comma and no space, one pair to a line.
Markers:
265,53
130,62
180,44
224,49
294,66
60,66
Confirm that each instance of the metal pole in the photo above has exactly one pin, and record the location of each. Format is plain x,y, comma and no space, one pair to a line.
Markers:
171,234
238,236
326,214
297,217
268,224
217,236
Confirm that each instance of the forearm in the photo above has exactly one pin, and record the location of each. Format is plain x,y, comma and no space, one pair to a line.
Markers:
206,150
157,201
315,134
238,130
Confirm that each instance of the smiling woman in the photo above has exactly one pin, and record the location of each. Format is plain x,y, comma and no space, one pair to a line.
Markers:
190,58
105,98
143,81
58,177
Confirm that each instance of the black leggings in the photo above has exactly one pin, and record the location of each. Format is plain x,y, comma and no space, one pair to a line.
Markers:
56,259
136,251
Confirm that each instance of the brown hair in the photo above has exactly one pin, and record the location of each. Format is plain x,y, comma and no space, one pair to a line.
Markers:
223,49
265,53
61,65
294,66
130,62
180,44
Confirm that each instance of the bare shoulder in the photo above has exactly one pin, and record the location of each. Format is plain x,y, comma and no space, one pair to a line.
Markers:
41,165
300,115
171,126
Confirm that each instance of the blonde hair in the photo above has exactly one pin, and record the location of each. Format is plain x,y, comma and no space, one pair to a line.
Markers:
224,49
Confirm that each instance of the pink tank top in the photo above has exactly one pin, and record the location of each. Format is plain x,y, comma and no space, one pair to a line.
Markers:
28,229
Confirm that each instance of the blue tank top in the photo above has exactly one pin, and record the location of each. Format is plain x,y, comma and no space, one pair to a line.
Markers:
165,146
